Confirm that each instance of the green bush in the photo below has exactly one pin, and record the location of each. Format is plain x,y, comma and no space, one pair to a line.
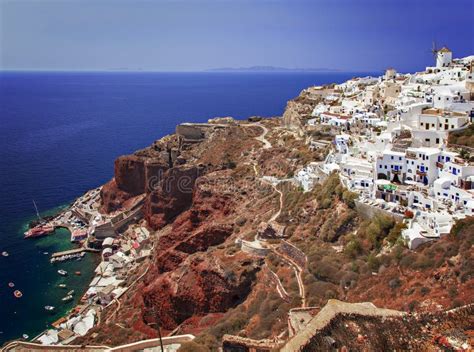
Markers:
349,198
353,248
373,262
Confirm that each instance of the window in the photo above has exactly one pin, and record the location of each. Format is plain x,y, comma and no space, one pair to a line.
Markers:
437,140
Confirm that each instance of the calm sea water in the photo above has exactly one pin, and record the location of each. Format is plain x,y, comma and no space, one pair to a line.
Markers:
59,136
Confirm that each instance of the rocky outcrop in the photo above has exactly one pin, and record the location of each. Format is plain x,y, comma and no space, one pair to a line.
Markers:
202,285
138,173
112,197
171,195
129,174
292,116
299,109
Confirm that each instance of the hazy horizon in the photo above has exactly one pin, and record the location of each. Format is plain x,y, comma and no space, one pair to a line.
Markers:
199,35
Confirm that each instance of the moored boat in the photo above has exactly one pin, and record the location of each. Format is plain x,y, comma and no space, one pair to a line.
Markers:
70,293
62,272
49,308
5,254
17,294
62,286
67,298
38,231
11,284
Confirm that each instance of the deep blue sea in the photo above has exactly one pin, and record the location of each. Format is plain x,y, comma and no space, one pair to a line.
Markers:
59,136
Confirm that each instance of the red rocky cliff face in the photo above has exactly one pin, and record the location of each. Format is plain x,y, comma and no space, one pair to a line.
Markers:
202,285
190,277
133,175
130,174
172,195
112,197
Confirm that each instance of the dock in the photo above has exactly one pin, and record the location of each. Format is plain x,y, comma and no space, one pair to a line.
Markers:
73,251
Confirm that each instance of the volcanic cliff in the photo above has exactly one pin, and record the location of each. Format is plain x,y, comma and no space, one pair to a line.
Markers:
215,192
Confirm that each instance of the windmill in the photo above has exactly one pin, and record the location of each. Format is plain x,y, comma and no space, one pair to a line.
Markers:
434,51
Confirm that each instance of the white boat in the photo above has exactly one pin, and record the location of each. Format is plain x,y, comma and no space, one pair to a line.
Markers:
62,272
67,298
49,308
70,293
25,336
5,254
62,286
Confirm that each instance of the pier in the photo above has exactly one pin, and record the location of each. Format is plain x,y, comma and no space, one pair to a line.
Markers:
73,251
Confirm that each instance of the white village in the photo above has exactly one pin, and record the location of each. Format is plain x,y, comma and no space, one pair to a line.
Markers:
392,143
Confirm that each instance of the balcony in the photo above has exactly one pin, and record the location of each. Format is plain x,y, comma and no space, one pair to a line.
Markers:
410,155
439,165
420,173
396,172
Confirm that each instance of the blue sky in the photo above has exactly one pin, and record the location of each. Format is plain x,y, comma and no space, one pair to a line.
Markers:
187,35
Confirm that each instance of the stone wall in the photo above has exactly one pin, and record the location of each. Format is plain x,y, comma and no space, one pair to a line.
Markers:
367,211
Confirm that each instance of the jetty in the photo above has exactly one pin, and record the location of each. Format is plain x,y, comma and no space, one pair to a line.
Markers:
73,251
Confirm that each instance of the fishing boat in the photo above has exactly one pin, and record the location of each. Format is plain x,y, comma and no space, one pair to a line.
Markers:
62,286
49,308
62,272
5,254
17,294
67,298
11,284
70,293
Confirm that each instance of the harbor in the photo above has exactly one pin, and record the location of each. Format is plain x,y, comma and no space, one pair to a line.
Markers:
119,242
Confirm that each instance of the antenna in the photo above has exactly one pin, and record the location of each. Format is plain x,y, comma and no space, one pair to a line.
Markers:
37,212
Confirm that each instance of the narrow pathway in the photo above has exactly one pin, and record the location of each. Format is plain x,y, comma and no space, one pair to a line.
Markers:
298,271
261,138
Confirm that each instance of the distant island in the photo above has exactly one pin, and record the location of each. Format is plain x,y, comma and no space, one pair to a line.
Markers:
270,69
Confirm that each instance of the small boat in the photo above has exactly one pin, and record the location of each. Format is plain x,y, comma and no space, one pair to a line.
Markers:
62,286
17,294
70,293
49,308
78,273
67,298
62,272
5,254
11,284
25,336
45,253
